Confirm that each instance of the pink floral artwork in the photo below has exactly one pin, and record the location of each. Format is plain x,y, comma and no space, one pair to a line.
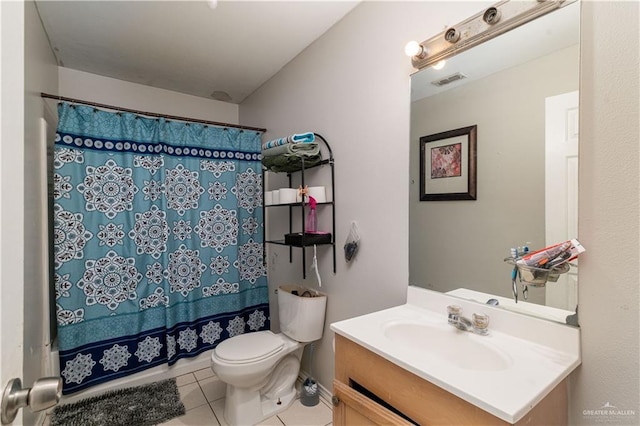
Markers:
446,161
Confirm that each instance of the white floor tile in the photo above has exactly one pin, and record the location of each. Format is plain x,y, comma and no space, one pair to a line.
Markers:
202,415
218,409
298,415
191,396
204,373
271,421
213,388
185,379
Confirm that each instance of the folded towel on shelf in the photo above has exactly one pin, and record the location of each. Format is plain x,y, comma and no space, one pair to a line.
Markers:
295,138
287,158
306,149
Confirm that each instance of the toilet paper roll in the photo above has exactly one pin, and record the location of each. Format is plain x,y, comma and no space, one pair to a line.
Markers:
287,195
275,196
268,198
318,193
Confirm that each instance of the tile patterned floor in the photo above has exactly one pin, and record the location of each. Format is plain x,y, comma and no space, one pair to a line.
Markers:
203,397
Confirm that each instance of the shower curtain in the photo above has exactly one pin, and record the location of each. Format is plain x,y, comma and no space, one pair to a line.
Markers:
157,241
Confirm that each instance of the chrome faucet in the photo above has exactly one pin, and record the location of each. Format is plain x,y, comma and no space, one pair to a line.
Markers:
479,323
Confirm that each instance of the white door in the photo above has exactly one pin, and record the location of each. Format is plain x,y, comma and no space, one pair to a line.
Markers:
561,189
11,192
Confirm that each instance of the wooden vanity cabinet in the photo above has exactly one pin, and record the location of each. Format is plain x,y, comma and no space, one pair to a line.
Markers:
369,390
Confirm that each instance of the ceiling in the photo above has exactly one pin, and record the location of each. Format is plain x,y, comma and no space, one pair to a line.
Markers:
229,48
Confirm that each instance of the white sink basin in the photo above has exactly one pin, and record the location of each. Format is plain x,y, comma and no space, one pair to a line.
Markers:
505,373
462,349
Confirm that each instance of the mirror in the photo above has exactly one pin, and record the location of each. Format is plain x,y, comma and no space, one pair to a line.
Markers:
520,91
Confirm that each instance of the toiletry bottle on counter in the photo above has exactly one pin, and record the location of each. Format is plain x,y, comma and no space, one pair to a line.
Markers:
312,219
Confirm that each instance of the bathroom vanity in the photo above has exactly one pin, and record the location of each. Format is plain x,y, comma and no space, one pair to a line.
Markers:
407,365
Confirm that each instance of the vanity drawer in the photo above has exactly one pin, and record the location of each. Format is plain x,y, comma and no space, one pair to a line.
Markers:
354,408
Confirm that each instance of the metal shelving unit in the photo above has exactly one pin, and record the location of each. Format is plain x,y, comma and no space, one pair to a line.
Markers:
301,206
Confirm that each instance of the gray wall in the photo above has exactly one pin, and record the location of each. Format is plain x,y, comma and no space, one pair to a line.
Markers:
461,244
609,220
352,85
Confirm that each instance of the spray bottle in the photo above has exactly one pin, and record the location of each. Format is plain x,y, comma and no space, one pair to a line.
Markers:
312,219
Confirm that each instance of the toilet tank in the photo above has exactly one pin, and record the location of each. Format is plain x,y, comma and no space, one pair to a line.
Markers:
301,312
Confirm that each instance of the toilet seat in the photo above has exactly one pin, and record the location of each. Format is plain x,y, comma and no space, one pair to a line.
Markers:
249,348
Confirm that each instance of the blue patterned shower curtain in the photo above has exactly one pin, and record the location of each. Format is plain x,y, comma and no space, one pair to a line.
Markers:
158,241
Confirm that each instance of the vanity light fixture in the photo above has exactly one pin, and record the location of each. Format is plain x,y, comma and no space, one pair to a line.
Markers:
452,35
439,65
497,19
491,16
415,49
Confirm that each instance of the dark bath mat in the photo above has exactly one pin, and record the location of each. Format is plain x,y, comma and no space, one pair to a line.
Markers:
136,406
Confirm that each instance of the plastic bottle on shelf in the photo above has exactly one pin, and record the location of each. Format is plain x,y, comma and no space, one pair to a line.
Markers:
312,218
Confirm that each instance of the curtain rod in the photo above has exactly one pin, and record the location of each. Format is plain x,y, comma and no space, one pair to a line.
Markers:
150,114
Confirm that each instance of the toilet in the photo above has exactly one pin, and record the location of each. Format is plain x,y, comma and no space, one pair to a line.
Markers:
261,368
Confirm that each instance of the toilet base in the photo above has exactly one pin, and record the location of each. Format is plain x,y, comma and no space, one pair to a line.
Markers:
246,407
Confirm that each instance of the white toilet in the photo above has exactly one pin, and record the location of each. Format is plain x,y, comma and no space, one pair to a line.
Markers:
261,368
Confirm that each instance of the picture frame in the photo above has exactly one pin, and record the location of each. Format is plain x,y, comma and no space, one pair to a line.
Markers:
448,165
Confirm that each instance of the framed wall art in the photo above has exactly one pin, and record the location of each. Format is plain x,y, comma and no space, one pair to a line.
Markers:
448,165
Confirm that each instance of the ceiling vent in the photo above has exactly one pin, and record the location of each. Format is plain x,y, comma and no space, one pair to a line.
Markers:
450,79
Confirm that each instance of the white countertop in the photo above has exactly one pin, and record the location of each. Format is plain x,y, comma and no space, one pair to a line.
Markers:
539,353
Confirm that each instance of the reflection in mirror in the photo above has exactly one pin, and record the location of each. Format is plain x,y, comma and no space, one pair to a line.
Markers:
520,90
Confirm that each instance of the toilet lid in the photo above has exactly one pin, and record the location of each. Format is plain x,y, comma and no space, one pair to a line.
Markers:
250,347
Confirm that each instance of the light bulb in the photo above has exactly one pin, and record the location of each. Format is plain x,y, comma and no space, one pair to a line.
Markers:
440,65
413,48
